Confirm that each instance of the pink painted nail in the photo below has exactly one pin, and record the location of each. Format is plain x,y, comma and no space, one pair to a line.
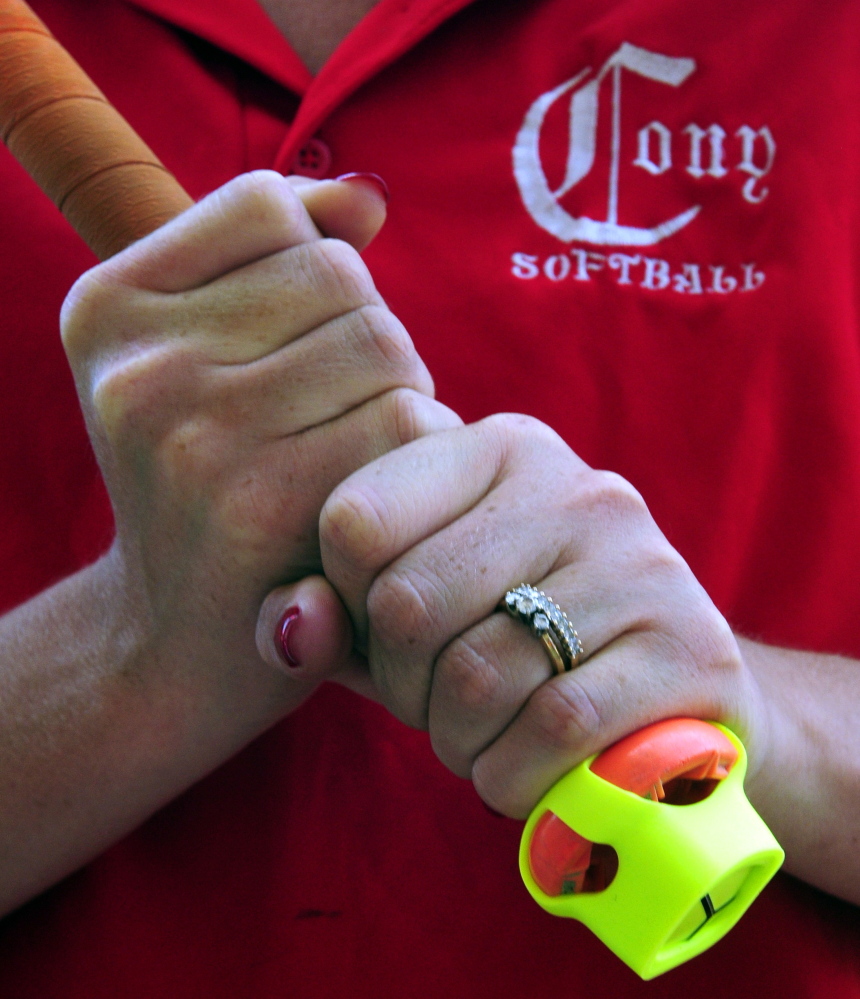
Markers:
283,635
370,178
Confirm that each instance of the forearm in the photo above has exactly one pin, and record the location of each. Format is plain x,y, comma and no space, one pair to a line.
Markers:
100,726
807,787
203,357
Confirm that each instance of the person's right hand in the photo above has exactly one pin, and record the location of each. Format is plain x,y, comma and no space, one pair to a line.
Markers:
233,368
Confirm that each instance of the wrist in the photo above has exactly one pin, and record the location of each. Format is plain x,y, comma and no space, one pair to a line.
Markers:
190,692
763,728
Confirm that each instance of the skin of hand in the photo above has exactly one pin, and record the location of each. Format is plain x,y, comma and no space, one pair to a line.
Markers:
233,368
421,545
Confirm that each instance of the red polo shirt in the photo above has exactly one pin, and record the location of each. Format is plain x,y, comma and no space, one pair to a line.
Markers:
634,219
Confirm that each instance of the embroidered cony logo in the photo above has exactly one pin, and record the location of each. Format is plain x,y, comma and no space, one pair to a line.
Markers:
755,149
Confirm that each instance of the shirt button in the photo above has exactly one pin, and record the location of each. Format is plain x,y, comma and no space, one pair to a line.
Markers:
312,160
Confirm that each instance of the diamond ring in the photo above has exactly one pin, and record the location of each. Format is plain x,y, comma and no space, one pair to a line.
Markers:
547,622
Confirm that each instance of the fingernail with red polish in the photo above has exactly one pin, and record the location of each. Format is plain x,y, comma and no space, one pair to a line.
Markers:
370,178
286,631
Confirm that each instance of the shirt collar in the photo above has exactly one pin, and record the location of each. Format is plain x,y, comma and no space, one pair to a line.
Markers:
242,28
392,28
239,27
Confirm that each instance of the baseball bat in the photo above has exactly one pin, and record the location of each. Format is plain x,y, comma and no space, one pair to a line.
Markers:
102,176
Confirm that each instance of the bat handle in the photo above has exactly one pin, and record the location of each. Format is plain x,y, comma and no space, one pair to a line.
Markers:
83,154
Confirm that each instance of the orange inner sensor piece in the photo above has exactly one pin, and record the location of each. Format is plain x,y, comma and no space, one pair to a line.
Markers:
678,762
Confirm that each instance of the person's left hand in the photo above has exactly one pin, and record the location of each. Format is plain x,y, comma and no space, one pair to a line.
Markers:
423,543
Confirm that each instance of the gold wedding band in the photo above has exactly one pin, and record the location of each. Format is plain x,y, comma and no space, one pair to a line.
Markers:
548,622
555,656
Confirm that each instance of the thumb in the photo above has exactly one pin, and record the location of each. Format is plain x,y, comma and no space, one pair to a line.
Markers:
304,630
351,207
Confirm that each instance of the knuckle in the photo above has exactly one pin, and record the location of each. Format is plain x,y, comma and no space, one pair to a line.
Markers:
490,788
681,625
157,438
512,435
353,524
496,785
192,452
119,392
520,427
515,424
563,715
381,335
611,495
660,569
83,311
261,196
404,609
712,643
459,761
409,415
471,675
335,270
406,407
133,394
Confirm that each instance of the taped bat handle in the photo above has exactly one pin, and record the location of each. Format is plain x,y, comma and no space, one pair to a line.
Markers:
107,182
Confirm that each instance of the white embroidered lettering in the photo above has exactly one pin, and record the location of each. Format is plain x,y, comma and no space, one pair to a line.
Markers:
749,137
582,96
752,278
622,262
587,261
633,271
689,281
524,266
722,283
596,136
664,148
557,267
716,136
657,274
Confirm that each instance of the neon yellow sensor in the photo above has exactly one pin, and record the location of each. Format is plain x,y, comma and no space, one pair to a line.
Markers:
652,844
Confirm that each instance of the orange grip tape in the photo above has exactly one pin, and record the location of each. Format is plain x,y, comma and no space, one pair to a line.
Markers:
83,154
